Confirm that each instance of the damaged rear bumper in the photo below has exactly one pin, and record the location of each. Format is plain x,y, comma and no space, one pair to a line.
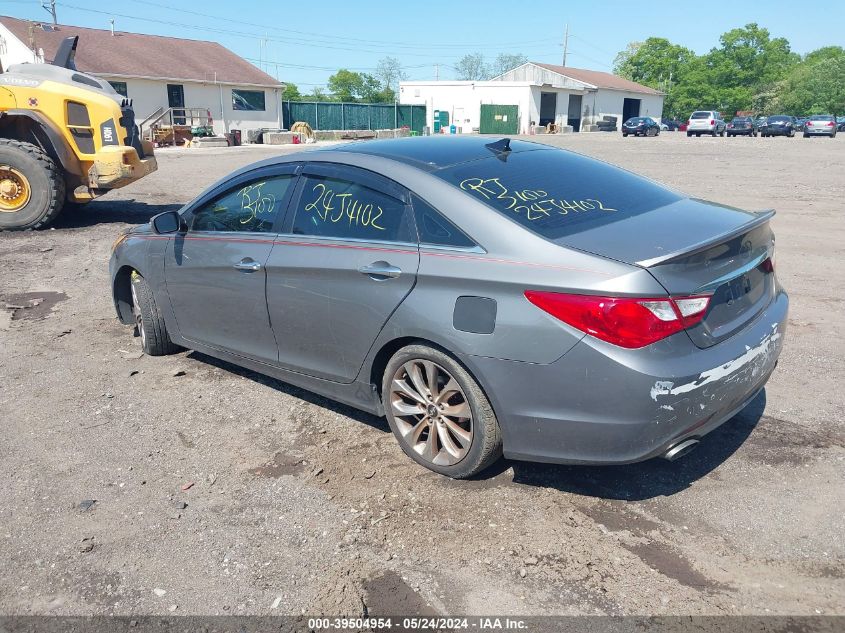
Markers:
602,404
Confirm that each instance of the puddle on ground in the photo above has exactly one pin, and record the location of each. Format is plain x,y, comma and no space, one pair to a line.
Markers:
616,519
672,565
31,305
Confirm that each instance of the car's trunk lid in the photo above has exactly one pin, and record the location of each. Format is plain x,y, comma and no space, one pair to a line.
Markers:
696,248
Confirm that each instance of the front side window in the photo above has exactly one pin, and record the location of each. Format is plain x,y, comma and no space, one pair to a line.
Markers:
342,209
251,207
248,100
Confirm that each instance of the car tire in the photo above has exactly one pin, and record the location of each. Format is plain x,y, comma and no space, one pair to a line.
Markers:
39,194
485,436
624,136
689,134
791,133
149,322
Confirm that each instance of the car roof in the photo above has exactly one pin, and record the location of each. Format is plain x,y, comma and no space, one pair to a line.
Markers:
431,153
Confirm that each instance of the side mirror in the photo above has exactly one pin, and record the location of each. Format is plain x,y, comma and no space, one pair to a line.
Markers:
167,222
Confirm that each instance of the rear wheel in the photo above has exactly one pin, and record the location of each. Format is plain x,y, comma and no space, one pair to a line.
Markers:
689,134
439,414
149,322
32,187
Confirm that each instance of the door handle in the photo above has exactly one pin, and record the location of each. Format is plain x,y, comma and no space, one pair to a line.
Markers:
248,265
379,271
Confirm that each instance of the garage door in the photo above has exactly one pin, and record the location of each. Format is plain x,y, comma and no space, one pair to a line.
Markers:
499,119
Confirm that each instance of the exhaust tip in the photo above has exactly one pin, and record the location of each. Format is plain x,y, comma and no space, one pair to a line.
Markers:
679,450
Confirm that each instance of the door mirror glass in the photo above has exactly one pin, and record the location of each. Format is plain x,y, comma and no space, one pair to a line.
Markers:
167,222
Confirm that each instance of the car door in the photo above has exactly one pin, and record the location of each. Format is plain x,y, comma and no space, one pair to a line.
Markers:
215,272
346,259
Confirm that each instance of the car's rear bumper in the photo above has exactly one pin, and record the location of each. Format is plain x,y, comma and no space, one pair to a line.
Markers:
777,132
738,132
604,404
814,132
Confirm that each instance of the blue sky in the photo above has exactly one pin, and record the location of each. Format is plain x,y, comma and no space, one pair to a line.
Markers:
305,42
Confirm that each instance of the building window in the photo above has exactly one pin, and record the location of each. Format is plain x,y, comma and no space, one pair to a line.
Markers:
119,87
248,100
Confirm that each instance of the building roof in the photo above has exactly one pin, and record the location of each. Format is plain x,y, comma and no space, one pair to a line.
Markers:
138,55
598,79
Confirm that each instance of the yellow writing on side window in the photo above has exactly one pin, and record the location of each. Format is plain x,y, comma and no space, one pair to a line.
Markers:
254,202
333,207
534,203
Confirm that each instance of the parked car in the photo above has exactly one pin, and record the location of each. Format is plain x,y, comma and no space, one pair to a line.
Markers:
840,123
779,125
671,125
706,122
683,126
742,126
640,126
820,125
799,123
465,290
760,121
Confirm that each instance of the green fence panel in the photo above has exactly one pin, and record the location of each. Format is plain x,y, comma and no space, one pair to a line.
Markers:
329,115
499,119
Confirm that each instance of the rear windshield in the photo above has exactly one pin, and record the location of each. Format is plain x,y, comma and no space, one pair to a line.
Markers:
821,117
741,119
556,193
700,115
779,118
637,119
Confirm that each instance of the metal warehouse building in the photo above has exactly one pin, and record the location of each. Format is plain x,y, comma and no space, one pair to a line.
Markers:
541,93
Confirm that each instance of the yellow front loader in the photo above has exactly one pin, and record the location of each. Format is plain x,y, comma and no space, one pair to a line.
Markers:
65,137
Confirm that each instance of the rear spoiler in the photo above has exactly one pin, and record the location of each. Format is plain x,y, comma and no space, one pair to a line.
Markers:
761,217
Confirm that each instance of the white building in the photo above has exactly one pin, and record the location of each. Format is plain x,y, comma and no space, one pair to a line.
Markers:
157,72
541,93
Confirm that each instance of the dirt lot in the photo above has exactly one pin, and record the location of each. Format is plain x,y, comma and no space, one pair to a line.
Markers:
301,505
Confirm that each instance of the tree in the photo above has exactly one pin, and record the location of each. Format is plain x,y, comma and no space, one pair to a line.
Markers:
318,94
291,93
620,62
815,86
346,85
389,72
654,62
471,67
505,62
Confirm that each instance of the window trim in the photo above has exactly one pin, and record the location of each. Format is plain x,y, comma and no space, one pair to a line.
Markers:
355,175
225,188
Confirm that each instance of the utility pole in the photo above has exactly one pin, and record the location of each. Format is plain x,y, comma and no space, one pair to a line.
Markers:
50,7
565,44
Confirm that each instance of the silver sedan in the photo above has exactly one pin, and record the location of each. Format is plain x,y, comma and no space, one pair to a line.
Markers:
489,297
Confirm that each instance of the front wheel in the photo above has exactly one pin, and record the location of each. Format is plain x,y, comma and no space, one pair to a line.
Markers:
624,136
149,322
439,413
791,133
32,186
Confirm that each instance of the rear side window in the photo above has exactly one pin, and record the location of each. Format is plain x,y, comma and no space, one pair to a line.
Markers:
342,209
434,229
251,207
556,193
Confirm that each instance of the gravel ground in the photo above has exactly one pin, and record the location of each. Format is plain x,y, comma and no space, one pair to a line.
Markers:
136,485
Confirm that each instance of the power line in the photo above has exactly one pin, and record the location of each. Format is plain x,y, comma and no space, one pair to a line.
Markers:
339,37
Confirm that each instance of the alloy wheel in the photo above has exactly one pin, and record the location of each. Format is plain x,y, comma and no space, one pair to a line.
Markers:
431,412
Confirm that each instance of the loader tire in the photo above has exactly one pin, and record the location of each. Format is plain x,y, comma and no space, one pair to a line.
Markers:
32,186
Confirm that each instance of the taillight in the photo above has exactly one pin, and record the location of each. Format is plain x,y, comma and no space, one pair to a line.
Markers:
623,321
712,122
830,124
